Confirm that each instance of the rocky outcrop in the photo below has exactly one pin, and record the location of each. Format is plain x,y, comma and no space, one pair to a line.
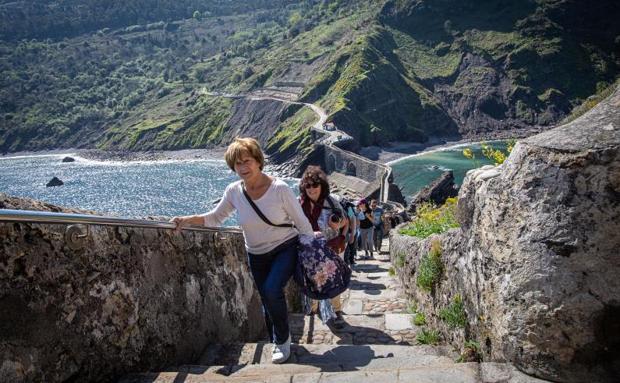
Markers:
129,300
436,192
536,259
54,182
255,118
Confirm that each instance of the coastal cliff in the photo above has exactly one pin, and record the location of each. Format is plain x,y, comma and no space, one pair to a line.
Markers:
535,262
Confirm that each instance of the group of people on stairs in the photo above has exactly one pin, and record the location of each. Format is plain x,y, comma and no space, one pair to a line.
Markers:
271,241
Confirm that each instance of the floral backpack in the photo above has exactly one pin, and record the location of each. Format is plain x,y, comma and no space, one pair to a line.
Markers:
320,272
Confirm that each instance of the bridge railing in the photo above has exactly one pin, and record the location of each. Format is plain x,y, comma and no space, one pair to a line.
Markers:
128,294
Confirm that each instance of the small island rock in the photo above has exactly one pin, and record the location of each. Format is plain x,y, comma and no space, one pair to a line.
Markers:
55,182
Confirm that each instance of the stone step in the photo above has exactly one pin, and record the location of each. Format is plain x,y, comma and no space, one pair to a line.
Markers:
286,373
386,328
359,356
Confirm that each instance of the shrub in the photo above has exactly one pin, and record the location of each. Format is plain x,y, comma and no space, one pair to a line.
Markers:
392,272
427,337
430,269
413,307
419,319
471,352
454,315
431,220
496,155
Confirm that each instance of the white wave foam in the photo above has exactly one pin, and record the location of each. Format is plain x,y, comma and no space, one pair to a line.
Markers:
92,162
26,156
441,149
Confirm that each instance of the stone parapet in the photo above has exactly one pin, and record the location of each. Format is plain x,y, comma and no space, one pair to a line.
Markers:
129,300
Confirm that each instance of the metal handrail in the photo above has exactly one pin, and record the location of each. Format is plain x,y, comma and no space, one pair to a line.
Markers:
32,216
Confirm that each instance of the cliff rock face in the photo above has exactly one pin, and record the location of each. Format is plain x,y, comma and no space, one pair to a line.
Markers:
436,192
536,259
130,300
254,118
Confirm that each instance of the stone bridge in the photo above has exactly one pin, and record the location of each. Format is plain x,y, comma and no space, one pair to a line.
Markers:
378,176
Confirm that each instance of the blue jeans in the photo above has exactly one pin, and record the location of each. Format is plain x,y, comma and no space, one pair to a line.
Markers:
378,237
367,240
271,272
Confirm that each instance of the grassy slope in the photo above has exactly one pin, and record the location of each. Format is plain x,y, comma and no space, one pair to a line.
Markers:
374,69
554,53
57,94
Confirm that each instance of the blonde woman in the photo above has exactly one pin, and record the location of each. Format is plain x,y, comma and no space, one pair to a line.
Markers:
272,250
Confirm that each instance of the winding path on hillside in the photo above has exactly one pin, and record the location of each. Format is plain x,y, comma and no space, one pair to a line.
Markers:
331,136
289,98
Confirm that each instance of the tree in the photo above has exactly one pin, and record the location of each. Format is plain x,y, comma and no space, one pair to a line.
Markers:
183,78
376,132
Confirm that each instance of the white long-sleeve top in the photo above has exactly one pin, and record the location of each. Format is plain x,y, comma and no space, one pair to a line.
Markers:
278,204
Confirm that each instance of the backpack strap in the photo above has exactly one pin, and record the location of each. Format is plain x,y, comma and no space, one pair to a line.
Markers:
331,203
260,213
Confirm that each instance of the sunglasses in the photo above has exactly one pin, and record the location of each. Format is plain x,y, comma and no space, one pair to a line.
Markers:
314,185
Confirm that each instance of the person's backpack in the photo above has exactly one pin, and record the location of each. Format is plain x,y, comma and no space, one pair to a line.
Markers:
320,273
346,204
338,243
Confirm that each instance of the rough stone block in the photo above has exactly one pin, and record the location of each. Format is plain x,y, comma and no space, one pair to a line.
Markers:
398,322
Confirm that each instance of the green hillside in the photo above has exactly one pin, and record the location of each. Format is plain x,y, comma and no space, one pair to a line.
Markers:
133,75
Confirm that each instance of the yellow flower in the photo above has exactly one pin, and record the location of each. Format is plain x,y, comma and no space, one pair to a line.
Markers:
468,153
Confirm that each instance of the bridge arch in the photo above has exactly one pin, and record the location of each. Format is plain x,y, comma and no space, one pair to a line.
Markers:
351,169
331,163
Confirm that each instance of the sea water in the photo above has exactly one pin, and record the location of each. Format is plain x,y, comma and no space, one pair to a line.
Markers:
413,173
139,189
126,189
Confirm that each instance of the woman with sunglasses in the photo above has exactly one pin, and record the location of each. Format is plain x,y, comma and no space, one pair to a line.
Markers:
272,250
326,215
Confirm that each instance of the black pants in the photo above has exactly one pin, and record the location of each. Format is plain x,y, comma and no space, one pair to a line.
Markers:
349,254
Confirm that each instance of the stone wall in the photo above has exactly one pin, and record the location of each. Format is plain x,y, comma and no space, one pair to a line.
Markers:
130,300
536,259
348,163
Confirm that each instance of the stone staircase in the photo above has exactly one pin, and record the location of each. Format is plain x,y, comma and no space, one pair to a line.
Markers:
377,345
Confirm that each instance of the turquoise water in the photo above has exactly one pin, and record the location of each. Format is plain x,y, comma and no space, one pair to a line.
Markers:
127,189
413,173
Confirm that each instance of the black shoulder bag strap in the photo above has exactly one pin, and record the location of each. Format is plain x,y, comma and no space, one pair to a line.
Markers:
260,213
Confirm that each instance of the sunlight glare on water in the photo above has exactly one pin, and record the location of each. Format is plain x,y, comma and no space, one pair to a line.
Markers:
127,189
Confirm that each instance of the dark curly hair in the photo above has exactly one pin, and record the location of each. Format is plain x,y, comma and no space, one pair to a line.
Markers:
312,176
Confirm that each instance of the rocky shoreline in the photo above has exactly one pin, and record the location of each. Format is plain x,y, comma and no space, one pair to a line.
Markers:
129,156
383,154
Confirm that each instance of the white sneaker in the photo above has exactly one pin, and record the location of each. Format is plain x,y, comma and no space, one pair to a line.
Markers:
281,352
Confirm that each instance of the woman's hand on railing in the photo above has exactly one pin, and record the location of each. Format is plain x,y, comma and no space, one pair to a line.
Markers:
182,222
178,221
